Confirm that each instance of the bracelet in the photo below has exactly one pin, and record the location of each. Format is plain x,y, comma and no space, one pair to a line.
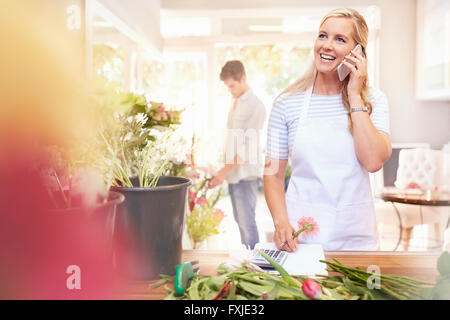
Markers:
365,109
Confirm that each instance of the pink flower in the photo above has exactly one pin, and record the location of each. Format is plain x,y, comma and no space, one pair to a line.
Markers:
192,200
161,108
201,201
307,225
413,185
312,289
218,214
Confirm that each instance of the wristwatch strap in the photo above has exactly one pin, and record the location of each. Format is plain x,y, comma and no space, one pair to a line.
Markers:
365,109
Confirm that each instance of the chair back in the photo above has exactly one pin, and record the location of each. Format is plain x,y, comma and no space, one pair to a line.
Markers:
421,166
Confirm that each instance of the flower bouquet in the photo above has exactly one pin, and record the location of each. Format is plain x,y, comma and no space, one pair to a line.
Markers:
203,219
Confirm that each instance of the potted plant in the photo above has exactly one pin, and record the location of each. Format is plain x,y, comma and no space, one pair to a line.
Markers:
78,200
136,148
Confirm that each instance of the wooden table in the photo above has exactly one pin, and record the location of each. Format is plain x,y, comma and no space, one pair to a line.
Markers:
426,199
418,265
422,200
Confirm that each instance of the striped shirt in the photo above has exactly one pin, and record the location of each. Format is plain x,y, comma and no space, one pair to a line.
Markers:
283,120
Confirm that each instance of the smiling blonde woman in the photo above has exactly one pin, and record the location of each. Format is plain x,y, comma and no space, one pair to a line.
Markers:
334,133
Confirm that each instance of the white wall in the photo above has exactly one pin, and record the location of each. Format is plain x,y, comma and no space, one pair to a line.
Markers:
411,120
142,15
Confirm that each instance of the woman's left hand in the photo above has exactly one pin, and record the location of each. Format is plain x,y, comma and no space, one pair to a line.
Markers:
358,74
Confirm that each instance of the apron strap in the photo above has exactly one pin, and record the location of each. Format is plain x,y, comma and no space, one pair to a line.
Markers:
306,103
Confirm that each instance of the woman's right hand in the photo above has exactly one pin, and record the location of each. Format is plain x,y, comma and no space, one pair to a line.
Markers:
283,237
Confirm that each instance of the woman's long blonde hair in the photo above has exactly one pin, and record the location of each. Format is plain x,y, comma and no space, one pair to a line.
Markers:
361,36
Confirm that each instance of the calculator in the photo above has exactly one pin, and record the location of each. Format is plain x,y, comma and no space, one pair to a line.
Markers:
279,256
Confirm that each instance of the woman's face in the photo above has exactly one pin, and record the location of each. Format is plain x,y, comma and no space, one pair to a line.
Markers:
333,43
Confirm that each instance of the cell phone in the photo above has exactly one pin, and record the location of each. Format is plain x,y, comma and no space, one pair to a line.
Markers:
342,70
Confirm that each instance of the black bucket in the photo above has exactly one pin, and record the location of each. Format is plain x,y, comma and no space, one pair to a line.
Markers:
149,228
99,218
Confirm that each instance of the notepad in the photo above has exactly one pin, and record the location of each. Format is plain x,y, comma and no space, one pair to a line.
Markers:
305,261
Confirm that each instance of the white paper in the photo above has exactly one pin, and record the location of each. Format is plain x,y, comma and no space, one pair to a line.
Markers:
305,261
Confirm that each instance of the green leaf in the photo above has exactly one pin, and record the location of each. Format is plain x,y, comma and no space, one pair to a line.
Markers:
286,291
284,274
231,295
162,281
355,289
254,289
443,264
442,289
274,293
216,283
193,290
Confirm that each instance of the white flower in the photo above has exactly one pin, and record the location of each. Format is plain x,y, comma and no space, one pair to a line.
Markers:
116,116
127,136
141,118
89,183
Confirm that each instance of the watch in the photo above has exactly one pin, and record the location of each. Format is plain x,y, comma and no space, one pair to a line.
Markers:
365,109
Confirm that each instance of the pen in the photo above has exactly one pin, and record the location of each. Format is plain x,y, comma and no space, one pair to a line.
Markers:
286,242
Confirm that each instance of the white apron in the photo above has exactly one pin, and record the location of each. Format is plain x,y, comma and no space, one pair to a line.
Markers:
329,184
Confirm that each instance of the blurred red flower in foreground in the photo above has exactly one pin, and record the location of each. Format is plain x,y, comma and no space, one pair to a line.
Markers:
42,102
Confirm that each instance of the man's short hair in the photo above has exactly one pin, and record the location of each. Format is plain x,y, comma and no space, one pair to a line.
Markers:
232,69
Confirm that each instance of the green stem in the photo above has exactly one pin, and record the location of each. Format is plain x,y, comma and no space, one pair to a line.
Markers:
297,233
396,288
61,188
399,279
284,274
50,194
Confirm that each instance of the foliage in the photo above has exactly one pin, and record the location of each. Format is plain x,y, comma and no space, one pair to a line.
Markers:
202,222
442,288
66,176
248,282
127,138
159,116
391,286
139,141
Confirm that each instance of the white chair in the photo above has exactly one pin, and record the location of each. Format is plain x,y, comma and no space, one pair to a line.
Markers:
427,168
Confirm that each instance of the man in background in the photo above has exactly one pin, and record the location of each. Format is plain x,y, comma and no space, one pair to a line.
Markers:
242,167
